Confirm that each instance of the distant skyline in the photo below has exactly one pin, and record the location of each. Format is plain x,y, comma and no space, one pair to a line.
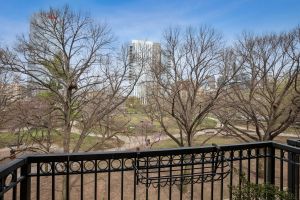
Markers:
146,19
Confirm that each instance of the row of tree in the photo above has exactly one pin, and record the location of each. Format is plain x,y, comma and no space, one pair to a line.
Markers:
258,83
78,80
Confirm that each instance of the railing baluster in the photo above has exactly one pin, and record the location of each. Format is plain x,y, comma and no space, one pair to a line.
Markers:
81,179
231,173
147,176
25,187
14,180
212,179
249,164
257,153
158,188
202,171
134,179
265,165
222,170
96,180
192,172
53,180
293,169
240,167
38,180
68,180
281,169
67,164
170,187
2,188
122,178
293,174
109,167
271,166
181,176
257,165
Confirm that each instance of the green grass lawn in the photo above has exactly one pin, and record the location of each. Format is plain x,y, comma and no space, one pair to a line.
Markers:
290,130
7,139
198,140
136,120
220,140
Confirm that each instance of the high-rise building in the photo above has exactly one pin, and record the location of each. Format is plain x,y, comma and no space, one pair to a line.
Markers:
144,56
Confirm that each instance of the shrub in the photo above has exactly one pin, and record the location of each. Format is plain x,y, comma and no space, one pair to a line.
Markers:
249,191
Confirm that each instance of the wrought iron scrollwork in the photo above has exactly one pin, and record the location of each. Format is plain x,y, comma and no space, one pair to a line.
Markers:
182,169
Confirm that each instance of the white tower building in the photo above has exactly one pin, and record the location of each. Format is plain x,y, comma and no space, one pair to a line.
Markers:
143,56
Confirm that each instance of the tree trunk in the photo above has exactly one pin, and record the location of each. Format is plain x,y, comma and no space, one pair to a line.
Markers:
67,124
189,139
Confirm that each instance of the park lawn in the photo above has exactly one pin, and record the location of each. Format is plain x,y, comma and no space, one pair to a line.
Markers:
198,140
7,139
206,124
220,140
134,121
137,118
290,130
90,141
293,130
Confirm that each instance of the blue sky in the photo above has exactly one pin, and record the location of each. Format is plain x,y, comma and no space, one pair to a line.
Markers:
146,19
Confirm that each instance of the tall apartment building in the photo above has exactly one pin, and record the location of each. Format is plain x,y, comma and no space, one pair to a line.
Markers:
143,55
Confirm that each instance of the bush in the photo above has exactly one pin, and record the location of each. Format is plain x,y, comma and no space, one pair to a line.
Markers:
249,191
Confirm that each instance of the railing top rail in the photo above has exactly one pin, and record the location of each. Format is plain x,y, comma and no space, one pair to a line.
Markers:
8,168
294,142
144,153
287,147
60,157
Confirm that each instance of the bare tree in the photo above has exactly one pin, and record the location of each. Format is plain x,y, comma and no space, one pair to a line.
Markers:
109,129
11,90
5,96
68,56
295,55
184,90
264,94
33,125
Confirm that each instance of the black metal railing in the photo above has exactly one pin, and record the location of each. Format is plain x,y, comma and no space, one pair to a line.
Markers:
182,173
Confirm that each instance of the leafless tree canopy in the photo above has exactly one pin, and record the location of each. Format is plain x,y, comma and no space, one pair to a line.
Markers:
184,88
10,92
68,60
5,96
264,94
